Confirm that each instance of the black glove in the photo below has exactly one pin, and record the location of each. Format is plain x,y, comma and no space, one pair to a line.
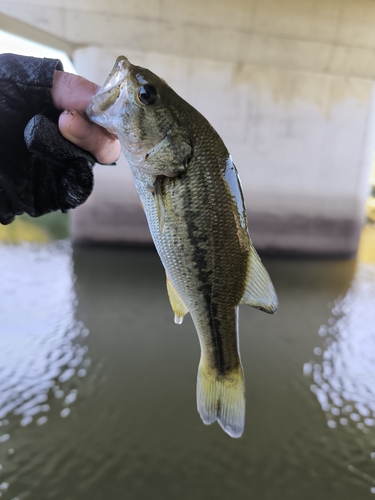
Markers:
68,180
58,176
40,171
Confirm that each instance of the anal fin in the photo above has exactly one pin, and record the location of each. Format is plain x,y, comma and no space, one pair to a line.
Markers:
177,304
259,291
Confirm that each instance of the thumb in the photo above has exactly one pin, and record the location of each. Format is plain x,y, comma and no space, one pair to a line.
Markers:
75,127
71,91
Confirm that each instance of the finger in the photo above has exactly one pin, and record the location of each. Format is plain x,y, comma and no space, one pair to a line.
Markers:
71,91
75,127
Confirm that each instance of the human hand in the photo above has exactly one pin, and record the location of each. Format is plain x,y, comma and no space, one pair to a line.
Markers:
72,94
42,168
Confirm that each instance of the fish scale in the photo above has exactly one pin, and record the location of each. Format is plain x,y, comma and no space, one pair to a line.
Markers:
193,201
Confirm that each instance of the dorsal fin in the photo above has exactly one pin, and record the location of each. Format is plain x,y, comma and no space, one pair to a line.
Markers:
259,291
177,304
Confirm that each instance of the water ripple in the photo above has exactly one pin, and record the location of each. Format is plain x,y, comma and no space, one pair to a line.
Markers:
343,371
40,339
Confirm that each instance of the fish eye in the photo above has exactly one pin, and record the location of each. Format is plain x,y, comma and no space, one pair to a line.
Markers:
147,94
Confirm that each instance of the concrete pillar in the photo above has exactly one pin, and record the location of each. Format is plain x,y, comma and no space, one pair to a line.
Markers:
303,145
288,85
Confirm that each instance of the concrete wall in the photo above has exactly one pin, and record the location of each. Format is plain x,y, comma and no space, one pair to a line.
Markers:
288,84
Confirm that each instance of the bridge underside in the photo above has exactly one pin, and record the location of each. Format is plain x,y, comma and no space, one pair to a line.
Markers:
288,85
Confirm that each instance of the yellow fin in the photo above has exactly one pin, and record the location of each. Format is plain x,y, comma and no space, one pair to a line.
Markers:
259,291
222,398
177,304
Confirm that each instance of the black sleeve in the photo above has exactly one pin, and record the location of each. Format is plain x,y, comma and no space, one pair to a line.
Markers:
40,171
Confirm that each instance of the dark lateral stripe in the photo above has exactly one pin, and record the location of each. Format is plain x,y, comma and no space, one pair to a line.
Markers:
199,258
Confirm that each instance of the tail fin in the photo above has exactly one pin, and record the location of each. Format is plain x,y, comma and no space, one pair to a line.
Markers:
222,398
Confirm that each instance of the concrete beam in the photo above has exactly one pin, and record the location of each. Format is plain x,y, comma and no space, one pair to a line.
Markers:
22,29
321,36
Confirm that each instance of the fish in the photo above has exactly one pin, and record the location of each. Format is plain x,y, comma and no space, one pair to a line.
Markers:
192,197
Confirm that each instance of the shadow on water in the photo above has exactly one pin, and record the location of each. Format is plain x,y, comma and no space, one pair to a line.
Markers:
132,430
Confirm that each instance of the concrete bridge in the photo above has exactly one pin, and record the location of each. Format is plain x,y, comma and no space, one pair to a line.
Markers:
288,84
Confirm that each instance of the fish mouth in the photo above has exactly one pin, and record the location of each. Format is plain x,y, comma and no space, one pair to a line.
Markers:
112,96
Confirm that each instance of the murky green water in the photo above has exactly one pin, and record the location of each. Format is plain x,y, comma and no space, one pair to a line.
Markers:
97,384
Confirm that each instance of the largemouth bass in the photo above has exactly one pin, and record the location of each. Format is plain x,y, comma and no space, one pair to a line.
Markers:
192,197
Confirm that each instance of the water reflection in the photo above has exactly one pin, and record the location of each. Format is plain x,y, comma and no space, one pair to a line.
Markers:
343,371
41,345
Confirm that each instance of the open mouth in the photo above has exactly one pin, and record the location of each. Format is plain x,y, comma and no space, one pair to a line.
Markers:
112,96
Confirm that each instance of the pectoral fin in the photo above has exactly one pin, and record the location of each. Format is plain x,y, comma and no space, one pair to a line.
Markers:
177,304
259,291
